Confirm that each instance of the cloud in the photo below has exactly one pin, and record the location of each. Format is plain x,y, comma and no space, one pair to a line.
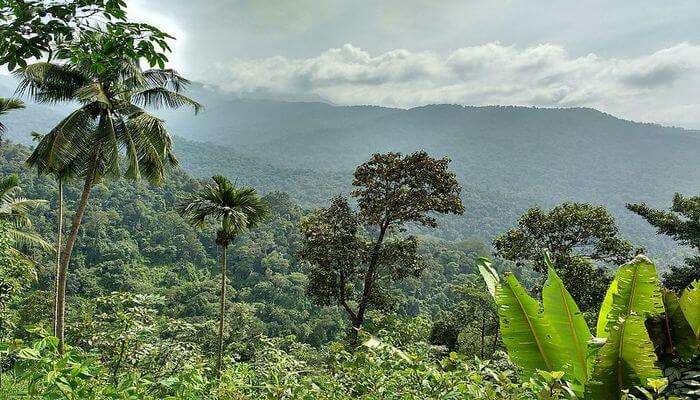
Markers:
493,73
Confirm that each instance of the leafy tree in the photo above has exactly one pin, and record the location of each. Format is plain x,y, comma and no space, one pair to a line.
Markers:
354,269
471,326
236,210
682,223
30,29
575,234
105,79
7,105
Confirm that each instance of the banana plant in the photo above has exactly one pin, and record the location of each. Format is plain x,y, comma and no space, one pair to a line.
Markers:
553,335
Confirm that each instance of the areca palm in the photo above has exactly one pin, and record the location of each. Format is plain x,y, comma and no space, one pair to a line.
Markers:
110,128
7,105
236,210
15,210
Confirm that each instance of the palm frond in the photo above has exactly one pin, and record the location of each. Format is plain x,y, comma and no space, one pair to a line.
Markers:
47,82
22,238
159,97
93,93
7,105
237,209
9,185
166,78
64,151
153,145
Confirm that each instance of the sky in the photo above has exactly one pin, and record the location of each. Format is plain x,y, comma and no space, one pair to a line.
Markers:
638,60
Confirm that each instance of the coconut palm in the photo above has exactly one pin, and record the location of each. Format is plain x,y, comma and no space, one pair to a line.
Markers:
236,210
15,210
7,105
110,128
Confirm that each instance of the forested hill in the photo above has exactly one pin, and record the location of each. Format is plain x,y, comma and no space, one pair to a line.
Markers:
507,158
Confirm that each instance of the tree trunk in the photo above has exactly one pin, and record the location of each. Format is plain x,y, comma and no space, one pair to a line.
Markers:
368,283
59,237
483,333
65,259
222,311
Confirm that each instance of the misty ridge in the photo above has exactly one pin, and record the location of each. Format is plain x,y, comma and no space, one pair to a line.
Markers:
508,158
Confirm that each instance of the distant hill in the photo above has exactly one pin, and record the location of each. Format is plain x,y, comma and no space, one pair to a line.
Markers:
507,158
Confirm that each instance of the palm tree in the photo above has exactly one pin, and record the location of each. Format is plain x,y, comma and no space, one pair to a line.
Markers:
236,209
15,210
108,129
7,105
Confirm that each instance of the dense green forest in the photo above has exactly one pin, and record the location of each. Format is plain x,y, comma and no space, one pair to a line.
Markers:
355,263
507,158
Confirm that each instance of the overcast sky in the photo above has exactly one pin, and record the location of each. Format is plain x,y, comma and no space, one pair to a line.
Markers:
636,59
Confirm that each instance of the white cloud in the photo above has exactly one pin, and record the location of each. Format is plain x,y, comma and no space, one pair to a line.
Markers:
654,86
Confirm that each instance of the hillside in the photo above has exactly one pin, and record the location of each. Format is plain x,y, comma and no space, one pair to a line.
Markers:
507,158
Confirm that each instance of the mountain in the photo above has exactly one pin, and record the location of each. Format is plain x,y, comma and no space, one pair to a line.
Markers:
507,158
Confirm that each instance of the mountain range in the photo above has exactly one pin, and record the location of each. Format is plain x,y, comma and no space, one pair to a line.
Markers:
507,158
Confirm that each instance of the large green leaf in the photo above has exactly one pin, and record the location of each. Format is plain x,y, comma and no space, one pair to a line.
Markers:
489,274
627,359
680,337
605,309
634,291
690,304
526,333
566,319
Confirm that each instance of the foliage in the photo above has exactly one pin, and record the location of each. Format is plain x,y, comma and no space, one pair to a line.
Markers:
356,271
622,357
282,371
14,210
7,105
682,223
17,273
31,29
575,234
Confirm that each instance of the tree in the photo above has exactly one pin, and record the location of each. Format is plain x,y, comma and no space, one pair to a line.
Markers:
356,256
682,223
109,127
32,29
470,325
575,234
236,210
7,105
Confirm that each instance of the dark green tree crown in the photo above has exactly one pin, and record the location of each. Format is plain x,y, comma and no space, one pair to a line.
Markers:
395,188
236,209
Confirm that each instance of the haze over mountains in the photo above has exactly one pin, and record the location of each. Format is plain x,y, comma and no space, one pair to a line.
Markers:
507,158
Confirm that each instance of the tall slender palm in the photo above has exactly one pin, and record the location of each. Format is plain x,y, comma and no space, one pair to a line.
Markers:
15,210
108,129
61,174
235,209
7,105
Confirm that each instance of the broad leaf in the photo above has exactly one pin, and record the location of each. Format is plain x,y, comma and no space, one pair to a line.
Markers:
634,291
690,304
568,323
605,310
526,333
627,359
680,338
489,274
